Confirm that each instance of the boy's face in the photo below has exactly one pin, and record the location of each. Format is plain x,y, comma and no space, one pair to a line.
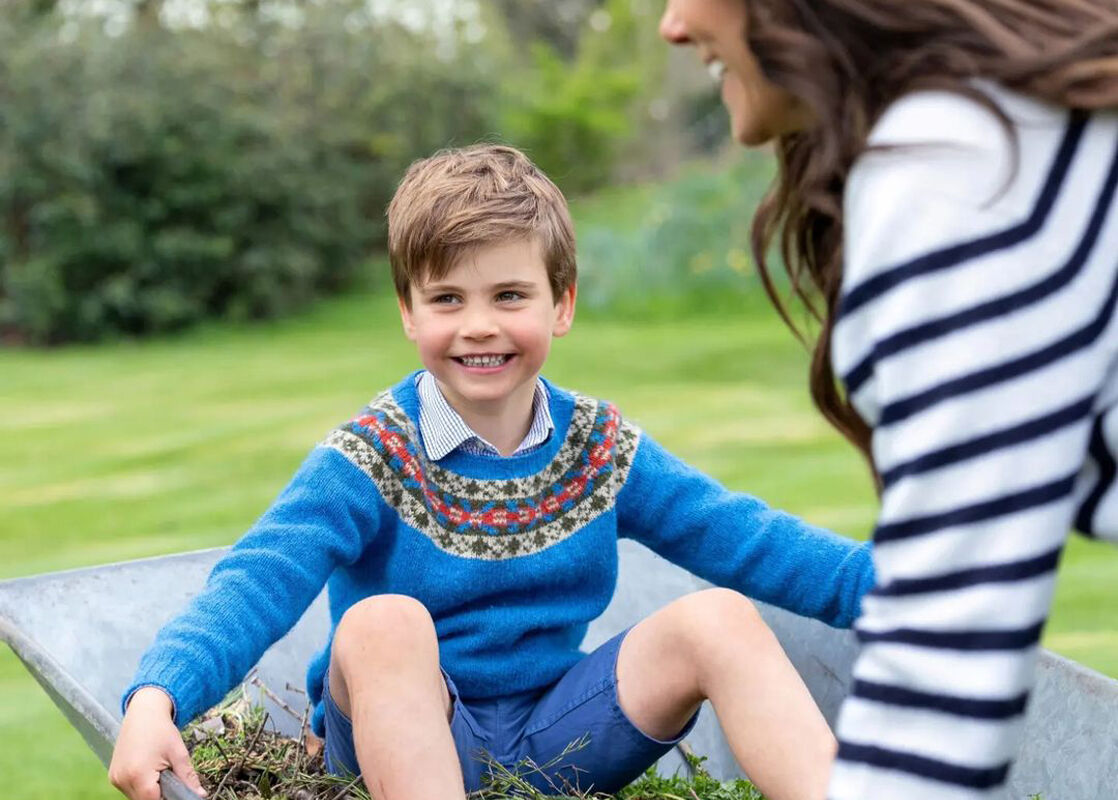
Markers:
484,330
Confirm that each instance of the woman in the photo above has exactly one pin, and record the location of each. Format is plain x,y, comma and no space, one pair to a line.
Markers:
946,204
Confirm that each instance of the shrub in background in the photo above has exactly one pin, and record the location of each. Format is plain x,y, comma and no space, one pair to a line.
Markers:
679,246
572,120
156,177
579,117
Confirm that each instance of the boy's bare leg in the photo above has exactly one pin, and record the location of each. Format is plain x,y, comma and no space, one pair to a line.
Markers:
384,675
714,645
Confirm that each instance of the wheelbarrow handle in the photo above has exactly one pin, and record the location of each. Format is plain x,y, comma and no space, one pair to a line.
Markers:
174,789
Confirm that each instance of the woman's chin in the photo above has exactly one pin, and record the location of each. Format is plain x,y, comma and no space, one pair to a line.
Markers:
746,132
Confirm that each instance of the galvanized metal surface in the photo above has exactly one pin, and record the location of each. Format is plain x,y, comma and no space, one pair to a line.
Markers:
81,633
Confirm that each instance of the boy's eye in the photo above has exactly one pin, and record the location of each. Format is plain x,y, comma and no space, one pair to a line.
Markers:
445,298
509,295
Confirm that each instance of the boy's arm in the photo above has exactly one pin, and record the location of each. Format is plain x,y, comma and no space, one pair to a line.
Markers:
326,516
735,540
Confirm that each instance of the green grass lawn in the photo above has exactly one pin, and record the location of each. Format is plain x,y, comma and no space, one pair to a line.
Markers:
127,450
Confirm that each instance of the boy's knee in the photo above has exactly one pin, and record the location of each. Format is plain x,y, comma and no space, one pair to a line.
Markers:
389,623
697,634
715,614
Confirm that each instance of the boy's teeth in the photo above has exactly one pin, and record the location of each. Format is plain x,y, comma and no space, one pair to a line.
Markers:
484,361
716,69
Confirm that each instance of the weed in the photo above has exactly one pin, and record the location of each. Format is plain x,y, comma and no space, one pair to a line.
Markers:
238,756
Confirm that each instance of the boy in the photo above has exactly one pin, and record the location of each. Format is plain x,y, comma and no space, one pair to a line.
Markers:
466,523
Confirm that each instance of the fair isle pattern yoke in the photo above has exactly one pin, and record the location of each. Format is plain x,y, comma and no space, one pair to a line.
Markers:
492,519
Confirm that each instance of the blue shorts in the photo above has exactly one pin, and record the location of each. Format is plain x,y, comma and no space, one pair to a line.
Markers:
537,726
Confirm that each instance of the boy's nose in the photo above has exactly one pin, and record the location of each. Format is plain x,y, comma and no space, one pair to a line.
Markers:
478,325
672,29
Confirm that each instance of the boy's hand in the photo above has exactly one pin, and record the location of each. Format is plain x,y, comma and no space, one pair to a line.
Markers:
149,743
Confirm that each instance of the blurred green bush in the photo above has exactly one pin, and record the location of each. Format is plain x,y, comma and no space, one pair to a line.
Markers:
677,247
154,177
153,174
577,117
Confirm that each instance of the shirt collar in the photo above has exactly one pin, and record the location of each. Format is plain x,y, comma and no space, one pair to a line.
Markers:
443,430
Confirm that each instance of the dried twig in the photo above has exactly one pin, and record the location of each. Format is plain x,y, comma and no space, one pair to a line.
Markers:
245,754
688,757
301,744
347,787
250,761
255,681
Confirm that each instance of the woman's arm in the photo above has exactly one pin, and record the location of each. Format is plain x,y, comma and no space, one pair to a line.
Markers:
971,338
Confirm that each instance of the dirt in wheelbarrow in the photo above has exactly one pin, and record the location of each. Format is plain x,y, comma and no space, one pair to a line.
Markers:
239,756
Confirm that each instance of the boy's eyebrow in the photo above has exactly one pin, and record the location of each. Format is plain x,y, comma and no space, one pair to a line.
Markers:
437,288
506,285
502,286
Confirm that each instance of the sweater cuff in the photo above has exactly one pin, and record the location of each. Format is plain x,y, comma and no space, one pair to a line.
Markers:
865,581
181,686
128,695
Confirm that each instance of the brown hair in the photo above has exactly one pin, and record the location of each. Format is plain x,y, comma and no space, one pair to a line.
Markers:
460,199
846,61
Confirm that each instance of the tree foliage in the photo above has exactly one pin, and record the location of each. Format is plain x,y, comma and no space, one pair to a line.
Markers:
159,176
156,173
578,116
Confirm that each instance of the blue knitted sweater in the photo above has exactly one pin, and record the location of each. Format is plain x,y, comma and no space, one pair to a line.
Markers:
513,557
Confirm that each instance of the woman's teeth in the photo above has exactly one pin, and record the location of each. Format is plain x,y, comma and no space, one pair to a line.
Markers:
483,361
717,70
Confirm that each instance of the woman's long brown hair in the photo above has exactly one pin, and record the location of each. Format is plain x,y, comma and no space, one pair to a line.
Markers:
845,61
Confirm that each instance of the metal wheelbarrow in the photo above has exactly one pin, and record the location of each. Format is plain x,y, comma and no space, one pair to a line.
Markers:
81,633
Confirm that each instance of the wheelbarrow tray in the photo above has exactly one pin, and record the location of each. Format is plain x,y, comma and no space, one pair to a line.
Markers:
81,634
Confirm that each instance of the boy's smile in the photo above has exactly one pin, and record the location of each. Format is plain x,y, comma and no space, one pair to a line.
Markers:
484,331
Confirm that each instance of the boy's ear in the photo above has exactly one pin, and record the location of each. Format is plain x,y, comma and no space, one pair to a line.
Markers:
565,311
405,316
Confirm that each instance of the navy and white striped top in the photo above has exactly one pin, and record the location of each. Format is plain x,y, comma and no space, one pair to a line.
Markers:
977,336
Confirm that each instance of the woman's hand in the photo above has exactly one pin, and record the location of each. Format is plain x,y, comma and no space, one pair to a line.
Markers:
149,743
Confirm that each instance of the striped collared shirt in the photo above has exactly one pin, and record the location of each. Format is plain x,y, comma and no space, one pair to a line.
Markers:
443,430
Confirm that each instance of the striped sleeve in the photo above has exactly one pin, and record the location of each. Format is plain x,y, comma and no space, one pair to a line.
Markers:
973,336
